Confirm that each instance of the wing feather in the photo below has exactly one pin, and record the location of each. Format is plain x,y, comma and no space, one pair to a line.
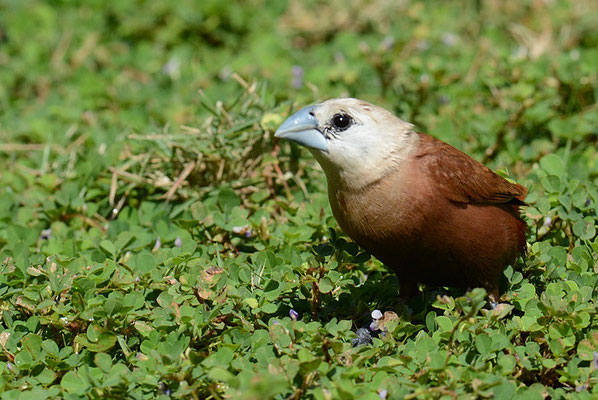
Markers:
462,179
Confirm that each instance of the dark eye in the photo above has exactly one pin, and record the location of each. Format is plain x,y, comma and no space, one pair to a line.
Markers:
341,121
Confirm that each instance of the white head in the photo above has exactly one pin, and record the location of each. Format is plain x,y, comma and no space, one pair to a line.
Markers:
354,141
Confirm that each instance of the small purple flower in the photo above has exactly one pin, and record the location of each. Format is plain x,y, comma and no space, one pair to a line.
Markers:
297,72
275,322
581,388
137,280
363,337
376,314
383,394
46,234
172,68
388,43
443,99
520,53
449,39
595,361
178,242
244,230
158,244
294,314
422,45
225,73
547,221
374,326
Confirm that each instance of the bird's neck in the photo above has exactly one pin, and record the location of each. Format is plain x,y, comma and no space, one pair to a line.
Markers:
366,172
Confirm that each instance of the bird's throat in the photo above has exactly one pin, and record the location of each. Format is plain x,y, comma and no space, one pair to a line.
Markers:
362,174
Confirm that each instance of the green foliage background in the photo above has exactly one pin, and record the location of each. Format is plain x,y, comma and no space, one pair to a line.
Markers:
154,237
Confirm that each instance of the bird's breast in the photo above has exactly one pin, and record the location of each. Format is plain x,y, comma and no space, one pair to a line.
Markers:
408,224
388,208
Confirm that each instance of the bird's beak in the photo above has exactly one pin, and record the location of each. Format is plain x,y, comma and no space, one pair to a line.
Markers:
302,128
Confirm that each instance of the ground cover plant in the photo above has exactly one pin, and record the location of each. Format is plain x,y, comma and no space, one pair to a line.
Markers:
157,242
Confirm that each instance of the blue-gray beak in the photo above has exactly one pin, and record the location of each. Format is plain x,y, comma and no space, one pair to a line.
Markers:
302,128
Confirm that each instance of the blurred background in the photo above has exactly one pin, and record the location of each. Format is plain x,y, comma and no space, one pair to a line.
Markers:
458,69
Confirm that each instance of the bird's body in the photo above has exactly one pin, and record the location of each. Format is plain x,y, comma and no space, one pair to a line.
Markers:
423,234
428,211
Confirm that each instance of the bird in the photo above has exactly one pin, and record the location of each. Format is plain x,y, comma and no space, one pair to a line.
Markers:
428,211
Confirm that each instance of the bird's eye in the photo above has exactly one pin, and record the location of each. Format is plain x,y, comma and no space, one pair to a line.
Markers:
341,121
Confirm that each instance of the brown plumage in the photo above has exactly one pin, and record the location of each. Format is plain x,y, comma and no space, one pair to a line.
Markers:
428,211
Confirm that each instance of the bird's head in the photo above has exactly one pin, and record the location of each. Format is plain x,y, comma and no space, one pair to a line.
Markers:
354,141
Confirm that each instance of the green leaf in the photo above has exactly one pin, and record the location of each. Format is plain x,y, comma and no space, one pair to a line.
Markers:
93,332
228,199
105,341
32,344
437,360
108,246
84,285
587,347
552,183
143,328
46,376
123,240
269,308
324,250
444,323
505,390
220,374
585,228
344,325
325,285
103,361
24,360
251,302
280,336
143,263
220,358
553,165
74,383
483,343
507,363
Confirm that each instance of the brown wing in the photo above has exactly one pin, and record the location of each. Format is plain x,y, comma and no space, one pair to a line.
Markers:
464,180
